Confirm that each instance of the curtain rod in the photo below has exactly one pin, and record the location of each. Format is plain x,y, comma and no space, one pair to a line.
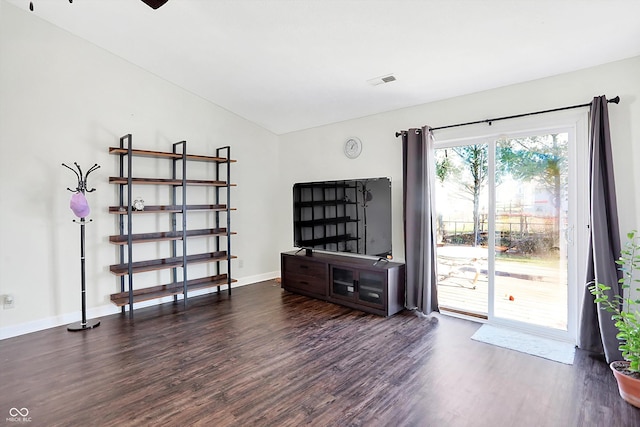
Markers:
489,121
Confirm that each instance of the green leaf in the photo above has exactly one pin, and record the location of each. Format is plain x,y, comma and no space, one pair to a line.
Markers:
622,307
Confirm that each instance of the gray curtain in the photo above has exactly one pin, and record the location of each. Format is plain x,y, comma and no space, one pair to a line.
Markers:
597,330
419,220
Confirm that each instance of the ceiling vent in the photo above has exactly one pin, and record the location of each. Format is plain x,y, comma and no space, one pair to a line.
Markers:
381,80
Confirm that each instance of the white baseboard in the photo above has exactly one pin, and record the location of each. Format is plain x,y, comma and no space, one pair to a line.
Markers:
105,310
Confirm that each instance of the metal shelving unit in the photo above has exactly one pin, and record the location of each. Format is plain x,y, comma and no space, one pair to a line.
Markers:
180,259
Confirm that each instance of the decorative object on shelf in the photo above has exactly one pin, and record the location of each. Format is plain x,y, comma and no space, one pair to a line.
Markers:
352,147
80,208
138,204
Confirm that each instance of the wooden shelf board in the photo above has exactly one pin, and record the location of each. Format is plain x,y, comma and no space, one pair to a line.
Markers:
200,158
328,184
122,210
167,181
323,203
154,292
165,263
121,239
169,155
327,240
325,221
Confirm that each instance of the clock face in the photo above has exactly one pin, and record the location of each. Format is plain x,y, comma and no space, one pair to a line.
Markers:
352,148
138,204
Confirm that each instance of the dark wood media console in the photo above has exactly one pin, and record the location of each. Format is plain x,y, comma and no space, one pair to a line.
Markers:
365,284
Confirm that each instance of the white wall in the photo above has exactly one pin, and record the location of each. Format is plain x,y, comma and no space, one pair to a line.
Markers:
65,100
316,154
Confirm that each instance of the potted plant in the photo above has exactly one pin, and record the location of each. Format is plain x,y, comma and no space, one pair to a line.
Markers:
627,320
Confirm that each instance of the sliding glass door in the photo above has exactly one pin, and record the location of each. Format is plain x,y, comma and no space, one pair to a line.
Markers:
505,223
462,206
531,216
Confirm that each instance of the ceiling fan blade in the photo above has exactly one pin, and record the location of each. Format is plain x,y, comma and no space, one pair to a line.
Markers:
154,3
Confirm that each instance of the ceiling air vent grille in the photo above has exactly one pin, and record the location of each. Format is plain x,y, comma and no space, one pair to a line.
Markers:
381,80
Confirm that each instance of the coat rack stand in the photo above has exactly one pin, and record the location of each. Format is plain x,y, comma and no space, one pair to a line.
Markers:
82,188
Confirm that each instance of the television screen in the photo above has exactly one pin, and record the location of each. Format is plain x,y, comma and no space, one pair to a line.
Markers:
351,216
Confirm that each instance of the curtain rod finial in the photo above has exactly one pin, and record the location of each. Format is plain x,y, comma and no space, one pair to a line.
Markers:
615,100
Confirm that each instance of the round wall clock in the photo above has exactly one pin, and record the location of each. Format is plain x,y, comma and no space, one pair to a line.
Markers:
352,148
138,204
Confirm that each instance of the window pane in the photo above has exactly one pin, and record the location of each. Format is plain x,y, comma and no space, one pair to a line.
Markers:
531,211
462,203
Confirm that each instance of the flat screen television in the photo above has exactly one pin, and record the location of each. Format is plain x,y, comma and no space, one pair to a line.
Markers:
351,216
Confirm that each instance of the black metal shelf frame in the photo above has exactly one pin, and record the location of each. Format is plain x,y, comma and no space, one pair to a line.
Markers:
179,173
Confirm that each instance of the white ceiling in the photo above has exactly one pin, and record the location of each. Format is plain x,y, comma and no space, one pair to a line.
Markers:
294,64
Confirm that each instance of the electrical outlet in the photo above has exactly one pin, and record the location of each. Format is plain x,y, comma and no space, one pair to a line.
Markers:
8,302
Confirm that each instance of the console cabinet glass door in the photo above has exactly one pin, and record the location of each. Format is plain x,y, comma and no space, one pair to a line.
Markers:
343,283
371,287
360,286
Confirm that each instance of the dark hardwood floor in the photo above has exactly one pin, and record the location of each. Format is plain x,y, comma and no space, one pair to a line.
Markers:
265,357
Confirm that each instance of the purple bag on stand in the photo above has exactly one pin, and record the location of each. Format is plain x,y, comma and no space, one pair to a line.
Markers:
79,205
